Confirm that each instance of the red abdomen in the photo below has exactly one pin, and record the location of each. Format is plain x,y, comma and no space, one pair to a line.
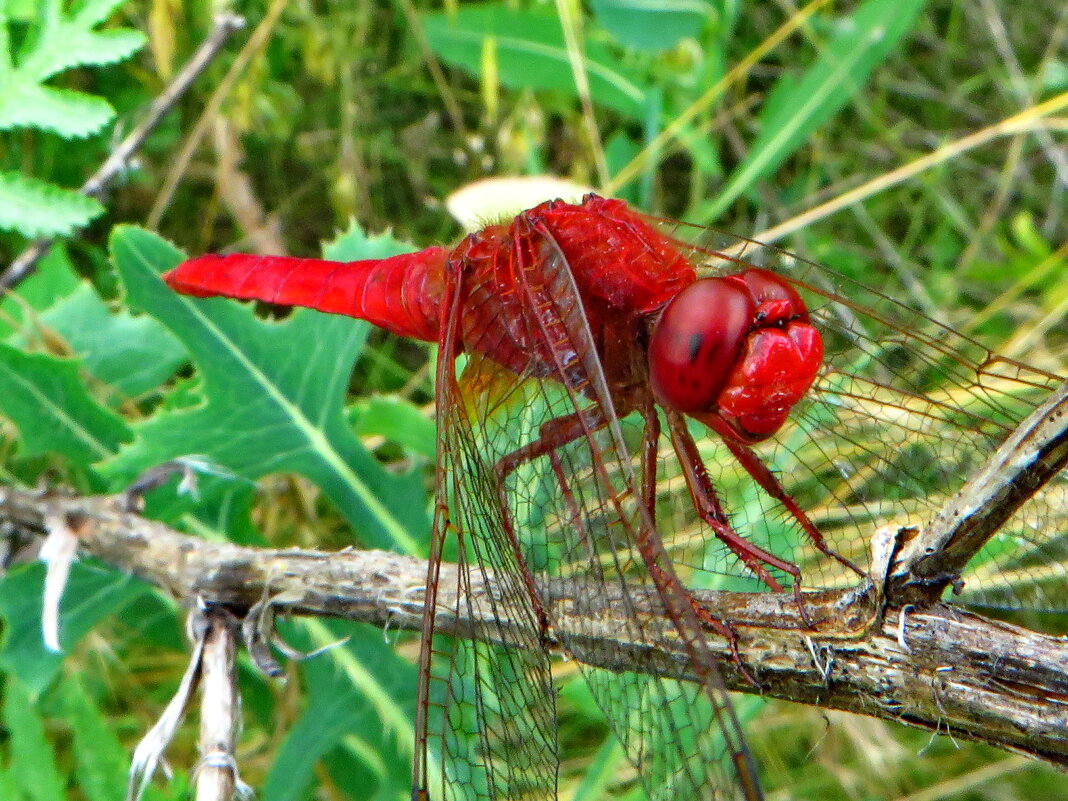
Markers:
401,294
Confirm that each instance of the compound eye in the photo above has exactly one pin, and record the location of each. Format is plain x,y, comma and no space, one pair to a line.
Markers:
697,341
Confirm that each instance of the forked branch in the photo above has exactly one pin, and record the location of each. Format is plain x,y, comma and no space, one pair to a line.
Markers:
941,668
1028,460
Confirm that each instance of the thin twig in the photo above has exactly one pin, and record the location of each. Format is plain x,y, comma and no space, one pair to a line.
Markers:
1032,455
220,710
225,25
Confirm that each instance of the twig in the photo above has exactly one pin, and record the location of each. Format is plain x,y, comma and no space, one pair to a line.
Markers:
1035,452
220,710
962,674
225,25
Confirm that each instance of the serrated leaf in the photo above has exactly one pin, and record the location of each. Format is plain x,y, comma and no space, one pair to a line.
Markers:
91,594
57,40
531,53
131,354
353,243
32,765
797,106
71,114
61,40
272,399
36,208
651,24
45,398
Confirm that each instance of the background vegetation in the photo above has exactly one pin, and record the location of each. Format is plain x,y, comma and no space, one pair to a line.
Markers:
333,112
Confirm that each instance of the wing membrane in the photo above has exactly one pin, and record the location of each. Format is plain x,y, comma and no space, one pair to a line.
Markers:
573,511
904,412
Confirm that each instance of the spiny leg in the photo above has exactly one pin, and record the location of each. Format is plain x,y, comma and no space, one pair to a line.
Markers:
771,485
649,454
553,435
708,507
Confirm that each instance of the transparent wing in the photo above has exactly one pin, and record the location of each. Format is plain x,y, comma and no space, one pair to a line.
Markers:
489,705
540,486
904,411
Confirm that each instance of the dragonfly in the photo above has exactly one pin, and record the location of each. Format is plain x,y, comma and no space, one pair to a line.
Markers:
624,402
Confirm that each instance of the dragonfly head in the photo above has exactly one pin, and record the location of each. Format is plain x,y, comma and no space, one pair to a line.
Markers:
738,350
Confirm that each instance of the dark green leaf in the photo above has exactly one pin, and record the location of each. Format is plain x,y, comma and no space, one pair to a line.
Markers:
530,53
46,399
272,399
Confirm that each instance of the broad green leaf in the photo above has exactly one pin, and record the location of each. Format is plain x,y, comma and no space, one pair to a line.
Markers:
651,24
45,398
131,354
798,106
31,762
360,687
530,53
101,760
272,399
37,208
91,594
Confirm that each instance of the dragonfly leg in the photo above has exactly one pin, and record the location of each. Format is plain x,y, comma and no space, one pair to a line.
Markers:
650,451
708,507
553,435
771,485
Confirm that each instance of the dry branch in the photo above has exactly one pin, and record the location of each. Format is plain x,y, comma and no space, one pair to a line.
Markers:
941,668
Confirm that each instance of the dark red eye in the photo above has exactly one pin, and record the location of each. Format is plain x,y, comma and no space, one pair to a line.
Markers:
739,350
696,342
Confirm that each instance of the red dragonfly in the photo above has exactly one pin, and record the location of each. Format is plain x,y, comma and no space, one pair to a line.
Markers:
584,332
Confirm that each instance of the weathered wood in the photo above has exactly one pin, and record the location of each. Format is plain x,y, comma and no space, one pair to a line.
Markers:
943,668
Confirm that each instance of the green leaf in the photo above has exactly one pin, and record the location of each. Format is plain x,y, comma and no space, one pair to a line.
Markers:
651,24
36,208
272,399
91,594
32,764
131,354
798,106
353,244
396,419
101,759
362,686
531,53
44,397
71,114
53,280
58,40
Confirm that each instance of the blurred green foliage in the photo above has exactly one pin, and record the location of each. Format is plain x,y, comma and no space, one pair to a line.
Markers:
355,109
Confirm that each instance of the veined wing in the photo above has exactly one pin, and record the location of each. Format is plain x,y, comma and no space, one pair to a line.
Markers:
904,411
487,704
570,512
